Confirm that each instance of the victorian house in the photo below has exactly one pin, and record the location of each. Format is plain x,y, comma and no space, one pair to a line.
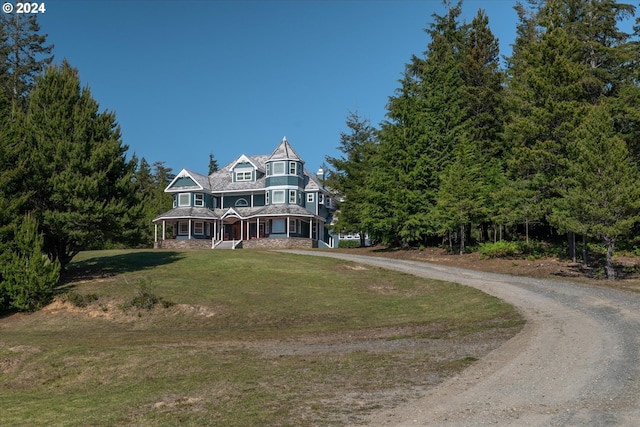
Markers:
255,201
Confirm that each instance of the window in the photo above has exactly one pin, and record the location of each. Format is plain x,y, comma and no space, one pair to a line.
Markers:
278,168
310,197
244,176
184,199
183,228
292,197
293,168
277,196
242,202
293,226
198,227
320,198
175,201
266,198
278,226
198,199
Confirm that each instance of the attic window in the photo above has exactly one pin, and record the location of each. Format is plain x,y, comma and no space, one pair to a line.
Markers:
242,202
244,176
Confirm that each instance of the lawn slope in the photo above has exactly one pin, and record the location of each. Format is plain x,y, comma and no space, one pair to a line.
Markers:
237,338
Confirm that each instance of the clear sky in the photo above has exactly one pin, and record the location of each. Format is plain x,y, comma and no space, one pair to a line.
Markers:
186,78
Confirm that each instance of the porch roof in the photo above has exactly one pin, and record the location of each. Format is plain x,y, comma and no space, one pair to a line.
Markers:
237,212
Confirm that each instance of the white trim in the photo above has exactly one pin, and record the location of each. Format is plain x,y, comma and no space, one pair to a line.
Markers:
311,198
244,159
183,173
195,200
243,174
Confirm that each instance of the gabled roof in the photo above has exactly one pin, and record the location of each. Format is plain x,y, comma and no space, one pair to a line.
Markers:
198,181
246,159
221,180
284,151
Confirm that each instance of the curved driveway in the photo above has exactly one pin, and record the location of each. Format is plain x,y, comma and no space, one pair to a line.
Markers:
575,363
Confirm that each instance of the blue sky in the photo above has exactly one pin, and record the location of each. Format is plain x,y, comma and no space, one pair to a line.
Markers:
186,78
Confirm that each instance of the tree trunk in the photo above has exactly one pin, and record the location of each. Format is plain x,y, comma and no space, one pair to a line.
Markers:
571,242
450,244
462,231
608,268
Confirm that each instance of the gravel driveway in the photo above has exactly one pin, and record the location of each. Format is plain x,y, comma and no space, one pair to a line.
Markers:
575,363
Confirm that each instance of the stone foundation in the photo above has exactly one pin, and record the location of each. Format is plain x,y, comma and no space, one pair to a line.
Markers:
276,243
183,244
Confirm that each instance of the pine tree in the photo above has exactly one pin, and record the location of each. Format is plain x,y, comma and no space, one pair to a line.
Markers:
28,276
213,164
463,193
78,178
25,55
350,172
418,139
602,199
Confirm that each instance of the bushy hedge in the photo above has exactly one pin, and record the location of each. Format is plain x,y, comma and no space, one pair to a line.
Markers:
500,249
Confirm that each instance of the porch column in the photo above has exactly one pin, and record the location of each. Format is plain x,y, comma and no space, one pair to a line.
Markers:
287,227
163,230
311,228
189,228
241,229
215,230
155,232
257,227
248,233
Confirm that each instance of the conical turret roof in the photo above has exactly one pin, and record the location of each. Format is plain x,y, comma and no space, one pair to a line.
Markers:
284,151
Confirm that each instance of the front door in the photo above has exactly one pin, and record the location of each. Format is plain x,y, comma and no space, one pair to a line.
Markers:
236,230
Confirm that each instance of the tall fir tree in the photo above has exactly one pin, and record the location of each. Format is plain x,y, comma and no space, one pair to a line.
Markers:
463,192
349,174
418,138
602,198
75,168
25,54
213,164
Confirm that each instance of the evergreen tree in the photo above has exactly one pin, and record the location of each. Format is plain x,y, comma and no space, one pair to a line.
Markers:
77,176
150,182
25,54
350,172
602,199
463,193
28,276
418,139
213,164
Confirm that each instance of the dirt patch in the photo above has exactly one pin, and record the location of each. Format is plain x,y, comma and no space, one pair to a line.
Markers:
113,310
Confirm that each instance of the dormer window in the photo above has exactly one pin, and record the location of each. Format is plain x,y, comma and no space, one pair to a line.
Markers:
245,175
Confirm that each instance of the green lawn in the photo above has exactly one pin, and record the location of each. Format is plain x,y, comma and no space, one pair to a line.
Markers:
245,338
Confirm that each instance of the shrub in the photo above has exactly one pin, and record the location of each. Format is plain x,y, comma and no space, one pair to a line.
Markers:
349,244
80,300
500,249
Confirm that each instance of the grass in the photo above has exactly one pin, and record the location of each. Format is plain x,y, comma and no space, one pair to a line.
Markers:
250,338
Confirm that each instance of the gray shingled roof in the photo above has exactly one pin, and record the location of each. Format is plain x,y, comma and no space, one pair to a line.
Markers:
284,151
243,213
